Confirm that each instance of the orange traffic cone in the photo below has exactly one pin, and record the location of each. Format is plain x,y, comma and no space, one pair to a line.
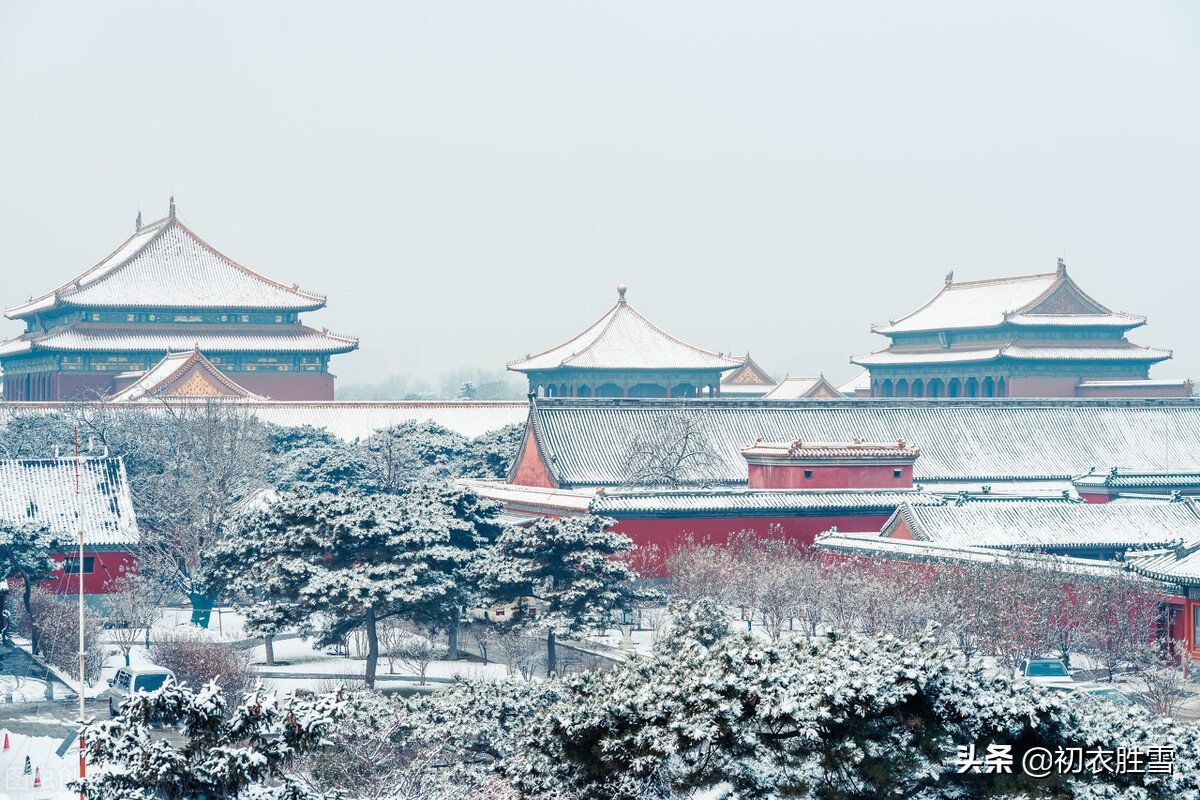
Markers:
6,740
37,778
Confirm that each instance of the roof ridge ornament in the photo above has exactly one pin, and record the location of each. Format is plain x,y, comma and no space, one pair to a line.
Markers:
1062,266
137,222
950,277
171,212
621,293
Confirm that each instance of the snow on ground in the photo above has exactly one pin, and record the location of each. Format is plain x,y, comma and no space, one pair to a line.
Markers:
20,689
225,624
55,771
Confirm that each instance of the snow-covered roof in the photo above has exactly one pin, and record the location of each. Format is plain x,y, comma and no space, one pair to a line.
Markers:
837,451
166,265
1179,565
585,442
873,545
183,376
42,491
1049,524
744,502
803,389
749,378
1133,481
514,496
1091,351
290,338
859,383
1049,299
624,339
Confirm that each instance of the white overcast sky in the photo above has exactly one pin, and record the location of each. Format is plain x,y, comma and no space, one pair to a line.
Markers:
468,181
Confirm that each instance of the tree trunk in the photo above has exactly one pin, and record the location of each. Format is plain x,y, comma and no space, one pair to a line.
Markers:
269,644
35,639
202,606
452,635
127,658
551,659
372,648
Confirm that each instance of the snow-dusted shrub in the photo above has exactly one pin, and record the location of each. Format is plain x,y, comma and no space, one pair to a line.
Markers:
197,661
56,618
851,715
229,752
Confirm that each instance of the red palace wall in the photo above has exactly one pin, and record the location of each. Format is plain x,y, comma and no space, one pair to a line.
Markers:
830,476
108,566
668,534
287,385
530,470
1042,387
1148,391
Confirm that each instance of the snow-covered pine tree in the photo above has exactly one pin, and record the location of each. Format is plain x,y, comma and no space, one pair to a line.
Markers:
349,560
467,529
25,551
243,754
568,565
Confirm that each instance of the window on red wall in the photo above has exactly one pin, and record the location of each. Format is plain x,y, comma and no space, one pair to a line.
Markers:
71,565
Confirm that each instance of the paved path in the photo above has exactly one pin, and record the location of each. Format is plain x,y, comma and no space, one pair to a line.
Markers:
344,676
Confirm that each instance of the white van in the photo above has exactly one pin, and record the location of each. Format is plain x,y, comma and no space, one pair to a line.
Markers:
135,679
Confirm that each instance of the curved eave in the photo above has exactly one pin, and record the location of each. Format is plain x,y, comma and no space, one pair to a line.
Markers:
1119,321
950,357
568,368
943,357
336,345
316,305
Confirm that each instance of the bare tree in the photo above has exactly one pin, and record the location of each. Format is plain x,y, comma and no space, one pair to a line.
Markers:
134,604
674,450
771,581
191,467
485,636
702,569
416,652
1126,616
391,633
1161,668
524,650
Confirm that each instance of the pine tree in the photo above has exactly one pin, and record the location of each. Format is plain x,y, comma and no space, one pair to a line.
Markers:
348,561
25,551
567,564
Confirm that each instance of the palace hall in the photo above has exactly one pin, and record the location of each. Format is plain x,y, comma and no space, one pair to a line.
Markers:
1027,336
623,354
165,291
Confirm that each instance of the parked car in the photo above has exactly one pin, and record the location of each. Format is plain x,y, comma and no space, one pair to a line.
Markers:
1098,690
135,679
1045,671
